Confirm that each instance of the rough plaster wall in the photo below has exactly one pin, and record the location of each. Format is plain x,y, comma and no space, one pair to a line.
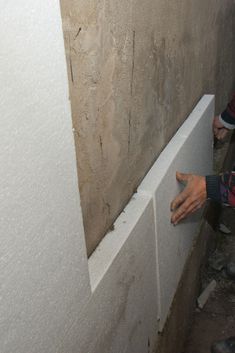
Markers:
136,68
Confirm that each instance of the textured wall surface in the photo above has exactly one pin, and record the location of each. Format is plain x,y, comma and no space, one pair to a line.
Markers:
136,69
43,265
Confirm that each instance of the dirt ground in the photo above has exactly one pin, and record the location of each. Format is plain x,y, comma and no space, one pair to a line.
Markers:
217,319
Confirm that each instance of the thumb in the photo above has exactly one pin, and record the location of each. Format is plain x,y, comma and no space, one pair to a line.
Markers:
183,178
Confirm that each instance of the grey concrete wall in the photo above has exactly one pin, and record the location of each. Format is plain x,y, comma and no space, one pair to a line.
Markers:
136,69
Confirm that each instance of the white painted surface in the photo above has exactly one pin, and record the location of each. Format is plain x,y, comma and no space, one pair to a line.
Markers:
44,279
189,151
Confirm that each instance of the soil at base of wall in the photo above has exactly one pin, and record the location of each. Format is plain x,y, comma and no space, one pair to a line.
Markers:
217,319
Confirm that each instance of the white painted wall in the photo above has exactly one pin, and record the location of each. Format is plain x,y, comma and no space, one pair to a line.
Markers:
43,267
52,299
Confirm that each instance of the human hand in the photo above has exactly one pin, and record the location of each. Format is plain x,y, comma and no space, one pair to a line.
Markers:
218,128
190,199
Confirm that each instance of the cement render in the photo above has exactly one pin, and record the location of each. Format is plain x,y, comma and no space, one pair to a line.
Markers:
136,69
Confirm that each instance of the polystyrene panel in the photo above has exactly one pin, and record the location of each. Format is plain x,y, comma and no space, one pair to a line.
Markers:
189,151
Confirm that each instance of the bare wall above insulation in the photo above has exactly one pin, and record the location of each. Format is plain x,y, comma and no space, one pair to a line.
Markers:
136,69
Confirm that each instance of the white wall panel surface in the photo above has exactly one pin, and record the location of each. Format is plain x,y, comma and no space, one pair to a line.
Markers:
189,151
122,315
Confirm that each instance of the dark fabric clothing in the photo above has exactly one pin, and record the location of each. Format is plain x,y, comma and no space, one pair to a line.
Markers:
213,187
221,187
229,114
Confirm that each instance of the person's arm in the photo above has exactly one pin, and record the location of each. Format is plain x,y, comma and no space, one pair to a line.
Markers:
227,118
198,189
226,121
220,188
